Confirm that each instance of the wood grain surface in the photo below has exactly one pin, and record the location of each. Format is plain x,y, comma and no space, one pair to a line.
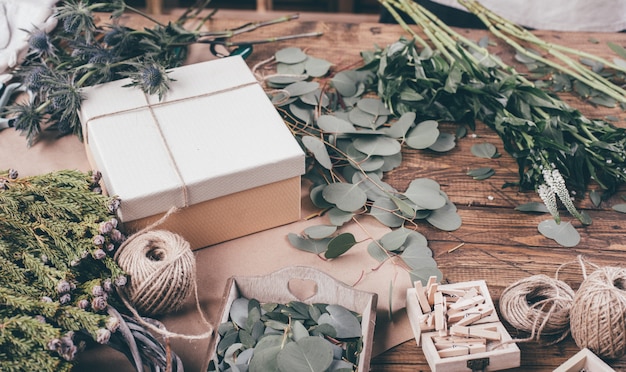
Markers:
499,244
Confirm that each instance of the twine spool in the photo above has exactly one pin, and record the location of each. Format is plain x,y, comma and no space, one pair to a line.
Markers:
598,312
539,305
162,271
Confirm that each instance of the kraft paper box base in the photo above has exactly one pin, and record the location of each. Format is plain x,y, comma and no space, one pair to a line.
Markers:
214,148
232,216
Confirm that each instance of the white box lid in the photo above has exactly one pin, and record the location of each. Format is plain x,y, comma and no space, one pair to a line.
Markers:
216,133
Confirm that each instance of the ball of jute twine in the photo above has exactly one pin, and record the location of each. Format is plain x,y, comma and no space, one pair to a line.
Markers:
538,305
162,271
597,317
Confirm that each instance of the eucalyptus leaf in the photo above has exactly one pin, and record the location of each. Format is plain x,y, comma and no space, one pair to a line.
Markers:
345,196
620,208
290,55
373,185
338,217
563,233
317,198
265,359
481,173
283,80
379,145
320,231
317,67
340,245
391,162
426,193
383,210
445,218
239,312
373,106
316,246
365,119
309,354
417,257
484,150
333,124
304,113
345,82
319,150
423,135
400,127
345,322
395,239
444,143
377,252
291,68
532,207
299,330
315,98
302,87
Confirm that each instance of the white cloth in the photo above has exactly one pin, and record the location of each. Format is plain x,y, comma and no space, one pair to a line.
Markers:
558,15
17,19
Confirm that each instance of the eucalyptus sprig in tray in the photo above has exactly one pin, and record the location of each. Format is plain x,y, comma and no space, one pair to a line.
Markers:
271,323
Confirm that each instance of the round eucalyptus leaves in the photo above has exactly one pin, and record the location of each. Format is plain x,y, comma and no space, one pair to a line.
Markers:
353,139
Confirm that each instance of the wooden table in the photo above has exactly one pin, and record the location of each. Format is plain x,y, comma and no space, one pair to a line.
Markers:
500,245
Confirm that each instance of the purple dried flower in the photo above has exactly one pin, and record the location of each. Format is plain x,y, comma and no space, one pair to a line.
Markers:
98,240
103,336
63,286
105,227
65,299
46,299
40,319
107,285
99,254
83,304
54,344
41,43
114,222
96,176
110,247
116,236
75,262
97,190
67,350
97,290
121,281
99,303
84,254
44,258
13,174
113,205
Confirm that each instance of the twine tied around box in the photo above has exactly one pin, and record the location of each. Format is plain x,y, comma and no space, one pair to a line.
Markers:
162,274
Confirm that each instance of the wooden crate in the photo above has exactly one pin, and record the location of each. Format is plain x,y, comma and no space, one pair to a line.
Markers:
415,311
494,355
584,360
275,288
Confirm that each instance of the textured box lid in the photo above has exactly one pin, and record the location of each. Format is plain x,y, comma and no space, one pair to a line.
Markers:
214,133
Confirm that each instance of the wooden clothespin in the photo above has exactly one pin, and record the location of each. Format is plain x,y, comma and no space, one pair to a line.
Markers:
475,332
462,349
421,297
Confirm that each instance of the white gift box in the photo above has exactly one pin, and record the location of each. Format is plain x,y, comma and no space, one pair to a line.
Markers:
214,147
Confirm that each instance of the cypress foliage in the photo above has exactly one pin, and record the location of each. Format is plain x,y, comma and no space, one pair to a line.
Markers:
58,234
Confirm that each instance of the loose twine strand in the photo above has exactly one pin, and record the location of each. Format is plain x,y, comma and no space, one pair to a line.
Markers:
540,305
162,274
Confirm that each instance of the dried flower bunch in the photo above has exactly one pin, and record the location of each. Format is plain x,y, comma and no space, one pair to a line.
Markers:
81,51
57,238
